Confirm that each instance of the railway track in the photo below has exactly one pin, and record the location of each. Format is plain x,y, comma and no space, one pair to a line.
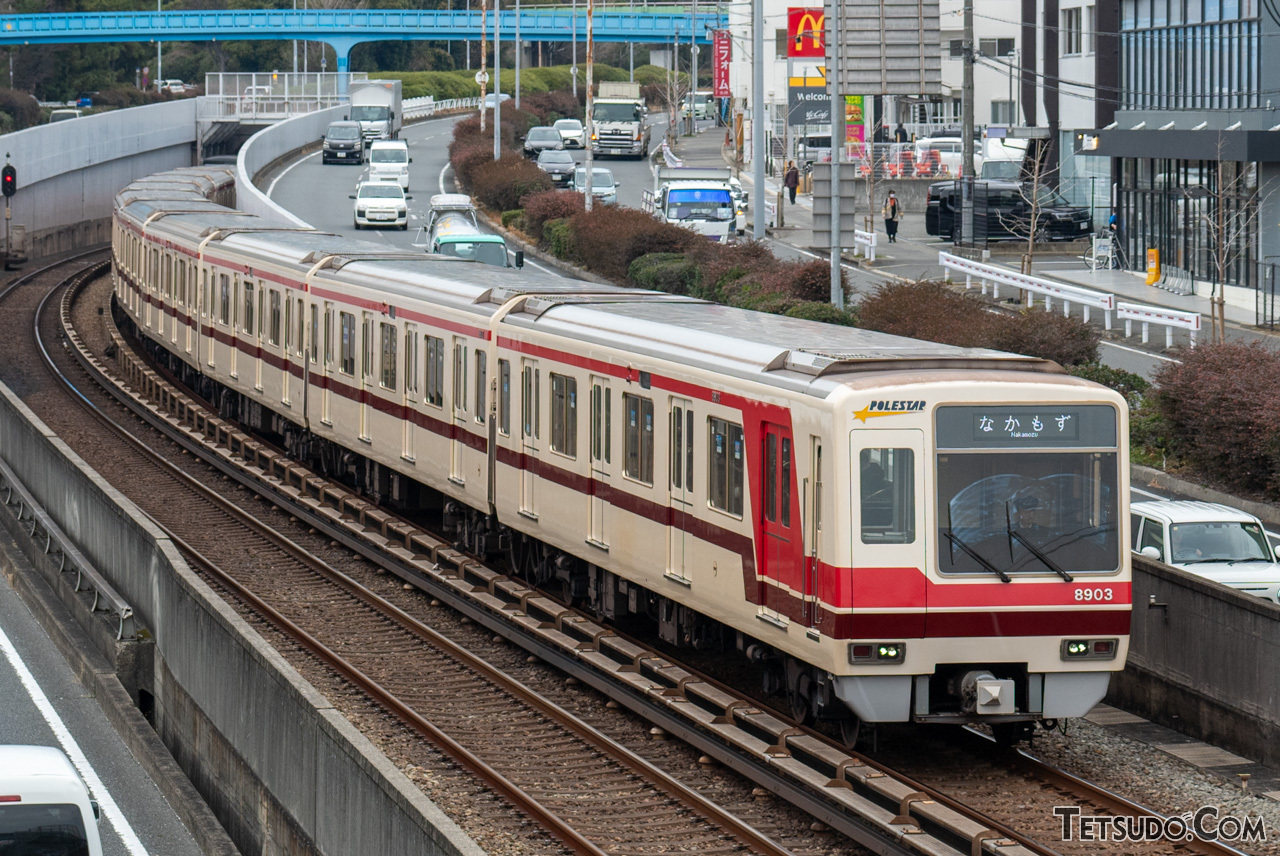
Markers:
834,785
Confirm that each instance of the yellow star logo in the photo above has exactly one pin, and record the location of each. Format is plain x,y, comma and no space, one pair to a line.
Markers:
865,413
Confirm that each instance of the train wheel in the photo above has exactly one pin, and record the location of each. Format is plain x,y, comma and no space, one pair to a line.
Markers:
799,692
850,730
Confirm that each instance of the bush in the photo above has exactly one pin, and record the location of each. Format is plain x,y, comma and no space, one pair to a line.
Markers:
811,281
811,310
558,236
1066,341
500,185
669,272
551,205
509,217
1222,408
609,238
1133,387
550,106
929,311
20,108
719,265
468,159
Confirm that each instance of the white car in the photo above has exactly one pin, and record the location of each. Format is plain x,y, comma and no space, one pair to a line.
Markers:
389,161
381,203
603,187
45,807
572,132
1213,541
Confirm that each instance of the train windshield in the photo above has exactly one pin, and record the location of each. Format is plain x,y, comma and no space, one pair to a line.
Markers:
1015,498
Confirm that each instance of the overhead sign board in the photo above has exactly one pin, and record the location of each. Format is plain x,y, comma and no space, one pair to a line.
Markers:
805,37
887,47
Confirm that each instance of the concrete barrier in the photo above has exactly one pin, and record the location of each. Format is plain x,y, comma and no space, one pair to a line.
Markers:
283,771
1202,660
69,172
271,146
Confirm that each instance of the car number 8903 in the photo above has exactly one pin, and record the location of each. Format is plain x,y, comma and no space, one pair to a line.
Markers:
1101,594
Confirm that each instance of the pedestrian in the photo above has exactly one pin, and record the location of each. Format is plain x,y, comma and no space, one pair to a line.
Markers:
892,213
900,134
792,180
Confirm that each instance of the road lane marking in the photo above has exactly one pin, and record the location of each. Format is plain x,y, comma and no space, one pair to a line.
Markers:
72,748
271,188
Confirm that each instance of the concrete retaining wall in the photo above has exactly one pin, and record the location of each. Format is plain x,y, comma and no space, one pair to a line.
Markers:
285,773
1204,663
269,146
69,172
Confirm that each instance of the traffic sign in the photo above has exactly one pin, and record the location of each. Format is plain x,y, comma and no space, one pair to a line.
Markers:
8,180
573,69
482,77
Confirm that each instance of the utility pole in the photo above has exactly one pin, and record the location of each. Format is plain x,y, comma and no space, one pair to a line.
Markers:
519,50
966,116
483,74
497,80
837,146
159,56
693,68
757,118
295,41
573,62
591,4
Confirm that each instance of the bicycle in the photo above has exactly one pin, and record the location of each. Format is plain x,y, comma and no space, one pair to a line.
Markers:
1105,253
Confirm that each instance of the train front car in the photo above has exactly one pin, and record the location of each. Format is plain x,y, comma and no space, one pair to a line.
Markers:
989,579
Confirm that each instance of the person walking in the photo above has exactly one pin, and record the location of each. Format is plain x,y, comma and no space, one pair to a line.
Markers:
891,212
792,180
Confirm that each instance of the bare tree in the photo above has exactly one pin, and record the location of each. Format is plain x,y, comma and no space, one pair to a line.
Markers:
1035,194
1229,224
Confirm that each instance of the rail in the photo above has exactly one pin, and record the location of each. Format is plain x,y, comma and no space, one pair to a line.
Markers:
995,276
1167,318
866,241
420,108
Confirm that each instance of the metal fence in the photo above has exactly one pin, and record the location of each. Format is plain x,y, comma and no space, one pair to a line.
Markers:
270,96
1266,306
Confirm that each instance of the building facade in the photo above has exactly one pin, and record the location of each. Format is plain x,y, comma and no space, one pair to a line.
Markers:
1195,149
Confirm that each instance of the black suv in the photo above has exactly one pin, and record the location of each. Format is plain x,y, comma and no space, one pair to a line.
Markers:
1009,211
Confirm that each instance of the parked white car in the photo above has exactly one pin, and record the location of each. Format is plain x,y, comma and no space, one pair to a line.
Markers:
1213,541
380,203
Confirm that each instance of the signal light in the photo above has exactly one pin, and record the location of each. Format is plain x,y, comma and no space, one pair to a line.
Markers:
1089,649
879,653
8,180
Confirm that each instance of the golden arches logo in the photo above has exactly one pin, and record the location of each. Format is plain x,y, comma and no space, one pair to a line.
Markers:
806,32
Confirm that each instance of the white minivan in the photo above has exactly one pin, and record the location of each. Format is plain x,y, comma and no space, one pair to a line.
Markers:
389,161
45,806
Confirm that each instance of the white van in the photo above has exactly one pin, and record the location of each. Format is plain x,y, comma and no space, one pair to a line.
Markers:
389,161
44,800
62,115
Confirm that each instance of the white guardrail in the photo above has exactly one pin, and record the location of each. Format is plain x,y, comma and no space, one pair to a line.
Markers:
866,241
1087,298
418,108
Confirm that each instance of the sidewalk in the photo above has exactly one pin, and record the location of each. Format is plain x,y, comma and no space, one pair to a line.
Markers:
915,254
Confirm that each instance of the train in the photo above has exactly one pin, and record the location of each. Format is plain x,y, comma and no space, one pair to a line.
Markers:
893,530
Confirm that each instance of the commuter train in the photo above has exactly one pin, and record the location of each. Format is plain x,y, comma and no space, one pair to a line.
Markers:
895,530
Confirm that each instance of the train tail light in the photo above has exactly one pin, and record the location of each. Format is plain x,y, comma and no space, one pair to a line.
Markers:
1090,649
877,653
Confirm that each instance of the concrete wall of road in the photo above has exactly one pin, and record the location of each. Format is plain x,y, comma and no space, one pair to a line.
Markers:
1203,661
69,172
284,772
271,147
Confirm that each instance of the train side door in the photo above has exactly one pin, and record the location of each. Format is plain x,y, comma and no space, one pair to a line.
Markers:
530,430
326,415
887,479
779,523
680,489
601,455
456,446
366,372
410,400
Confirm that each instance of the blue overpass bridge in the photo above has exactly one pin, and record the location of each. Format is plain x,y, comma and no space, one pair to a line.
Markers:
343,29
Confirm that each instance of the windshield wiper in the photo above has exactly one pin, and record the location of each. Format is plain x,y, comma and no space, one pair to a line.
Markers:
1205,561
1031,548
976,556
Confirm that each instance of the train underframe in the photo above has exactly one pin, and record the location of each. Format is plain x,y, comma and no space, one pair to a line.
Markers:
811,694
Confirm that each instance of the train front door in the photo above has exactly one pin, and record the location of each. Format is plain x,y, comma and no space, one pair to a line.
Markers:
601,453
779,523
680,486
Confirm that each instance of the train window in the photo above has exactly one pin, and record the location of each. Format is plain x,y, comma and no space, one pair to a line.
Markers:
504,397
1135,523
410,359
208,298
887,485
459,376
564,415
224,298
347,334
637,445
724,466
288,324
688,450
315,332
771,478
262,309
482,371
180,282
248,307
388,367
300,342
328,334
786,482
601,423
273,326
435,371
1152,536
682,448
366,348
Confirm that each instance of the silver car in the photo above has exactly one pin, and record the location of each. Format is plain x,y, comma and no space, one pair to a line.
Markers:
603,187
572,132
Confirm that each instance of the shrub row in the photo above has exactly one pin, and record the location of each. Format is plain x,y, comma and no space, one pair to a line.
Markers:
461,83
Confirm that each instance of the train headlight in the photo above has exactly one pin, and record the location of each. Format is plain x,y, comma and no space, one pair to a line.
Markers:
1090,649
877,653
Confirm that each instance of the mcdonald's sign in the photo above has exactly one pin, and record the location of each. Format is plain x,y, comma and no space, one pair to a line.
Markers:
805,32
